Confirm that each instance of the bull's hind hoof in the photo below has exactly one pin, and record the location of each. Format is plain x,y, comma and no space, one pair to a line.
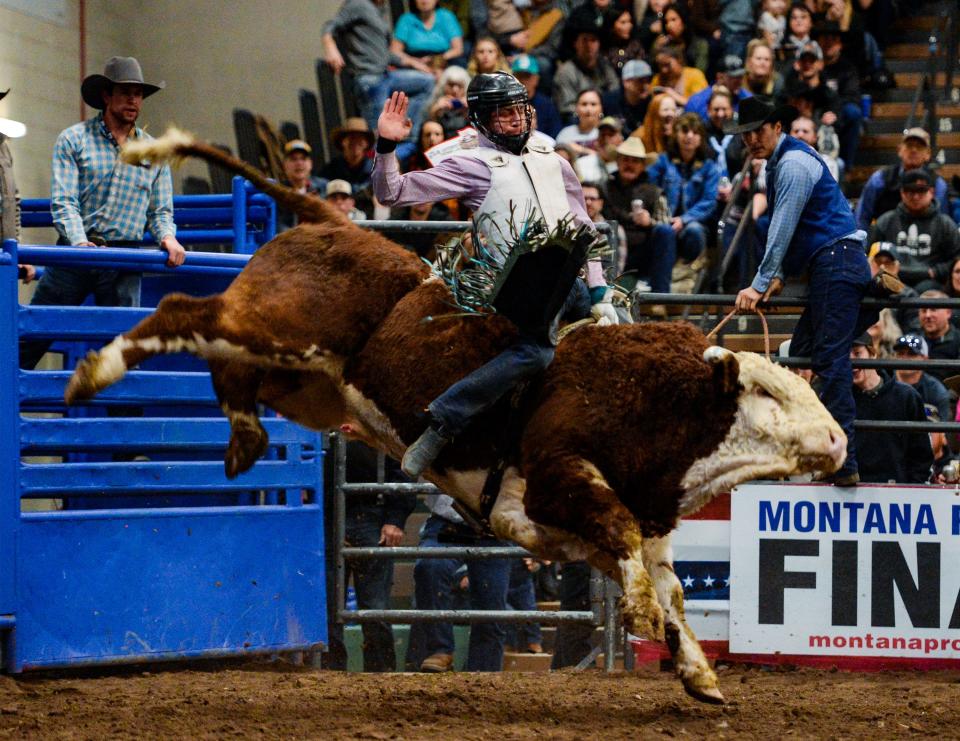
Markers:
703,689
81,386
245,448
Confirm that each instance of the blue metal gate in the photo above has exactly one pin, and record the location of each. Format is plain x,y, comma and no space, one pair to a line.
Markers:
242,574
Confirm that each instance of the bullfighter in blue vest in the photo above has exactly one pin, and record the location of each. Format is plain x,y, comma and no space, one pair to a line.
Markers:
812,231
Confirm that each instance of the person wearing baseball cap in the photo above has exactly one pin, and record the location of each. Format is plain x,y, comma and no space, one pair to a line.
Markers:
630,101
730,74
884,456
881,192
812,231
98,200
339,194
526,69
298,174
926,238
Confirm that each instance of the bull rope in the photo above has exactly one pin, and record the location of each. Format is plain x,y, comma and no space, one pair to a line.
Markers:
763,321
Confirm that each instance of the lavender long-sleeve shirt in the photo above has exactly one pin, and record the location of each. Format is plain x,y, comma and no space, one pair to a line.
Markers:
468,179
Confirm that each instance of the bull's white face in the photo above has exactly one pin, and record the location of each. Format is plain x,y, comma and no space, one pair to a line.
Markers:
781,429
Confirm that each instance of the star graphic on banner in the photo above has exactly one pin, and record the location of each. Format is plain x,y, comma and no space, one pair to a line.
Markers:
726,582
687,582
709,581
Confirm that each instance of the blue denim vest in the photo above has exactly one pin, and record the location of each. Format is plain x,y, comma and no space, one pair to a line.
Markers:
825,218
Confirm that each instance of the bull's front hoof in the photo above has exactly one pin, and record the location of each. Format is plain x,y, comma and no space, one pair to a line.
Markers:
244,450
704,689
81,386
648,625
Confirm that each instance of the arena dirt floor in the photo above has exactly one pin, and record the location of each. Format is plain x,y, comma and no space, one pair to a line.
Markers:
270,701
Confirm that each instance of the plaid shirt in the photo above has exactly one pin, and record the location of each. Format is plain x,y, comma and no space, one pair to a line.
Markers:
93,191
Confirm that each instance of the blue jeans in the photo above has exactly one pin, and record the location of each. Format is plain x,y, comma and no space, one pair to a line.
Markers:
691,241
839,276
372,580
373,90
61,286
522,596
851,119
653,259
433,583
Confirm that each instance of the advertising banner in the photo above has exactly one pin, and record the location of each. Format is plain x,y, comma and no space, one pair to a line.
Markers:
870,571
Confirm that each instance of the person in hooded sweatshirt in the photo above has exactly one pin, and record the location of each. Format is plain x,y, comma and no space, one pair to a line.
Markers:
926,238
901,457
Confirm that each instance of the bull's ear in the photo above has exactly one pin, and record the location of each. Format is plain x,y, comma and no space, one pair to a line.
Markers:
726,369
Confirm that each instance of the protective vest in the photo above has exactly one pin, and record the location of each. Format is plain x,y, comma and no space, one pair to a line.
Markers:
825,218
9,198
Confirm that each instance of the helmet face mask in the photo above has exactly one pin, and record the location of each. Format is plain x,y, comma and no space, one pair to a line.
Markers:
500,110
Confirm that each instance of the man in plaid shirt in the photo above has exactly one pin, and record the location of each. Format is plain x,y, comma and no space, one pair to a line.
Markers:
97,200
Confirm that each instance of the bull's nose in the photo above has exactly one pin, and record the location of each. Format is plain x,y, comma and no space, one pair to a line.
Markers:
838,447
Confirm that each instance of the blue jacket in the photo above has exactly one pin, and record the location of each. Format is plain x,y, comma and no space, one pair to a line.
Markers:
699,186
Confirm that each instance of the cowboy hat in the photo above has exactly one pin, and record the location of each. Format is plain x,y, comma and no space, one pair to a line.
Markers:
8,128
633,147
117,71
757,110
353,125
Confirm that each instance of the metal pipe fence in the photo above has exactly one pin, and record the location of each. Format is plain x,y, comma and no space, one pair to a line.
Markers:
604,592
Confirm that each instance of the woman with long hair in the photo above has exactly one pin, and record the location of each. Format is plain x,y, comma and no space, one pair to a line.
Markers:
688,177
487,57
431,134
621,43
658,123
677,31
761,77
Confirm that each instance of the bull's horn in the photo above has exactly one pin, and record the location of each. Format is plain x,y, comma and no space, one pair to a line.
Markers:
715,353
726,369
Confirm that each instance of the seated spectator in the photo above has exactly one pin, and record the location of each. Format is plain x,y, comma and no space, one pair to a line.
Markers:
583,134
761,77
705,22
799,26
487,57
884,256
593,199
298,174
526,69
427,39
360,28
805,129
610,137
943,339
630,102
448,106
881,193
535,29
673,78
951,287
431,134
841,75
727,149
621,44
730,77
640,208
587,69
521,596
433,584
587,14
352,141
772,23
737,25
807,90
650,24
926,239
339,194
677,32
688,177
933,393
658,123
900,457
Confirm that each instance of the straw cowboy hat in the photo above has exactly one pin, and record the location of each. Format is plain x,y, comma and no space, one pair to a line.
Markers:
9,128
353,125
755,111
117,71
633,147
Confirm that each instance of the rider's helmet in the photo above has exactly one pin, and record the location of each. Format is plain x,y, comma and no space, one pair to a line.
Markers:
489,92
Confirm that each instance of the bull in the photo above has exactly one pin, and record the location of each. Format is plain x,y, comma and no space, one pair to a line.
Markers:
629,429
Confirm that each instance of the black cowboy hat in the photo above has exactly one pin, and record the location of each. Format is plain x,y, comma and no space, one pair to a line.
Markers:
755,111
117,71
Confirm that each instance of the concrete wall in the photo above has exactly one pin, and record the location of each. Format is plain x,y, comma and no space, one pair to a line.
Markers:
214,55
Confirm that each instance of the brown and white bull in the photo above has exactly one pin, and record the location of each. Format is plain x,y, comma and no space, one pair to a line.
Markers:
630,428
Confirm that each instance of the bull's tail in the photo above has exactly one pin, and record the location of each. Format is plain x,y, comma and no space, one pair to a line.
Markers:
176,145
180,323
